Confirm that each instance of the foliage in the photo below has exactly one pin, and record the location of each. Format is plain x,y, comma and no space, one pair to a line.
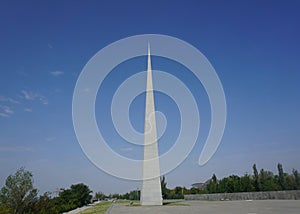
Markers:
296,178
4,209
19,196
255,178
77,196
176,193
164,189
18,192
262,181
212,184
246,183
100,196
267,181
281,177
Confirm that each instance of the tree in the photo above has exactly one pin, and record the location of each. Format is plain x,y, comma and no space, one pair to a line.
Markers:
4,209
178,192
212,184
290,183
222,186
77,196
246,184
194,190
82,194
281,177
235,183
297,179
267,181
18,191
100,196
255,179
44,205
164,189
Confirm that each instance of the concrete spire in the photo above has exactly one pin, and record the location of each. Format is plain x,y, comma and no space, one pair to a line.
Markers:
151,189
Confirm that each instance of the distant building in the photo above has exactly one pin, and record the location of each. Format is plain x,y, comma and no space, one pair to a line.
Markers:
198,185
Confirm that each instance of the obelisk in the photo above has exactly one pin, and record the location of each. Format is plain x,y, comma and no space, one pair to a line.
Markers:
151,188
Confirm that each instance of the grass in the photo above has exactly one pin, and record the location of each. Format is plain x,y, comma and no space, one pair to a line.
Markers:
98,208
102,207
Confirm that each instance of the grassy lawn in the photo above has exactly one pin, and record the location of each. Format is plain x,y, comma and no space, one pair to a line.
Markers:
102,207
98,208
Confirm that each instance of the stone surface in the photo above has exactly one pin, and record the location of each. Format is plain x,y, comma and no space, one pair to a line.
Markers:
217,207
151,189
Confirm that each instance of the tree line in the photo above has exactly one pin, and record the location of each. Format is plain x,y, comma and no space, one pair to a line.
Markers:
262,180
19,196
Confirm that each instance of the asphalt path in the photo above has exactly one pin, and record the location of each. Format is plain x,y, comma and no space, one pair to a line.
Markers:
215,207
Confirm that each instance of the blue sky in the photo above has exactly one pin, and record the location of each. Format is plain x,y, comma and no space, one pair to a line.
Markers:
254,47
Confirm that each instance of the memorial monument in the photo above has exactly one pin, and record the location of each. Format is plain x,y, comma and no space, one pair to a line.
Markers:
151,188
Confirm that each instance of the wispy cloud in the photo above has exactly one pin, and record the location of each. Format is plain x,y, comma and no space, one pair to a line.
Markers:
28,109
15,149
8,99
56,73
49,46
6,111
8,104
29,95
3,114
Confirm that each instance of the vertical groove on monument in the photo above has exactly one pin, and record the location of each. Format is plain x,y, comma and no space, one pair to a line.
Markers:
151,188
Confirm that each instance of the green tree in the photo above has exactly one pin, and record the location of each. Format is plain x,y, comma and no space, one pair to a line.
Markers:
164,189
267,181
77,196
290,183
235,183
246,183
82,193
297,179
229,184
255,178
178,192
67,200
18,191
4,209
43,205
194,190
212,184
100,196
281,177
222,186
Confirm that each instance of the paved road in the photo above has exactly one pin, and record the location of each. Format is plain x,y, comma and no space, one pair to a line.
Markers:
217,207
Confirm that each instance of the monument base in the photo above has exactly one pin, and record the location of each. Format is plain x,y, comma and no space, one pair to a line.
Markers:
151,192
